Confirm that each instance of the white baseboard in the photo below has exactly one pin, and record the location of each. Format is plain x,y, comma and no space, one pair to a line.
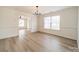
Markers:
4,37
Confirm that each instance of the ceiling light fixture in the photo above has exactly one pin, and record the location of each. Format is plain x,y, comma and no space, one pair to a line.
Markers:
37,11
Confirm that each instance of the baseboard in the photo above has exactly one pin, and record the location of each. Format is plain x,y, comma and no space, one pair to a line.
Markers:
55,35
6,37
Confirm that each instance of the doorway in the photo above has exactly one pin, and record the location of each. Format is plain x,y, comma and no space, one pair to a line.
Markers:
21,22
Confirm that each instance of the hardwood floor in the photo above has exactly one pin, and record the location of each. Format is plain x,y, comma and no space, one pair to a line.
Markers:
37,42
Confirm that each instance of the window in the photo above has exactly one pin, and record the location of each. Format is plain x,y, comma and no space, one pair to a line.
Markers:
52,22
47,22
55,22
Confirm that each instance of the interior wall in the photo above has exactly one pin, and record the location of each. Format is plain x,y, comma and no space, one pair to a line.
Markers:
9,22
68,23
33,23
78,29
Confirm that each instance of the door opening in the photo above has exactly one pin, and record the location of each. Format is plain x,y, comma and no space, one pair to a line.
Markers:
21,22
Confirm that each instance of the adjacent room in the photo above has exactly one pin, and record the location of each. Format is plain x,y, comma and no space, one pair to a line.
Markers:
39,29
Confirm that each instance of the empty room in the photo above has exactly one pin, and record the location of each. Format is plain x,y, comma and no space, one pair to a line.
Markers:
39,29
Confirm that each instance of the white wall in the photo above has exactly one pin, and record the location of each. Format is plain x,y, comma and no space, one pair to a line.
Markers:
33,23
9,22
68,23
78,29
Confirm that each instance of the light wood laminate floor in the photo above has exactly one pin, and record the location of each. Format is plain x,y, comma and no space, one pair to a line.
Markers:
37,42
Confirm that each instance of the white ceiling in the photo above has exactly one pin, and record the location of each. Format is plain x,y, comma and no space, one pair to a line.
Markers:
42,9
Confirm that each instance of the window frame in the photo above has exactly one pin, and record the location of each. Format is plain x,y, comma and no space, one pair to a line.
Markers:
57,24
51,22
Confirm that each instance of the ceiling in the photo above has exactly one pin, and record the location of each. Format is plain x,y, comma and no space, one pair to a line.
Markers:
42,9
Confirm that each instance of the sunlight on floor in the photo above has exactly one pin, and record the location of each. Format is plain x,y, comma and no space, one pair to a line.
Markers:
21,33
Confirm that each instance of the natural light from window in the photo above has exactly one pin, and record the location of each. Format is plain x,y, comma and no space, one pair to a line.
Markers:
52,22
55,22
21,23
47,22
